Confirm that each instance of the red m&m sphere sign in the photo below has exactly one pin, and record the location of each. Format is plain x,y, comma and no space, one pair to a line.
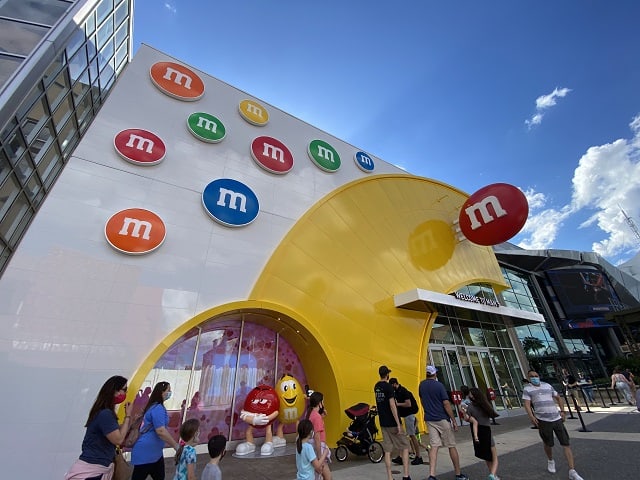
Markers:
493,214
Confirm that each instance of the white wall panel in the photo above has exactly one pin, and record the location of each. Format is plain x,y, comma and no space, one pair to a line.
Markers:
75,311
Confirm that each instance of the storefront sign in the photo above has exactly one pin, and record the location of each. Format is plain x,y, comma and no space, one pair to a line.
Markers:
230,202
140,147
206,127
135,231
472,298
493,214
177,81
364,162
324,156
272,155
254,113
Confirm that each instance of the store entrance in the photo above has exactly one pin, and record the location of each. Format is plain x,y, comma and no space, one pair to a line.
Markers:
471,366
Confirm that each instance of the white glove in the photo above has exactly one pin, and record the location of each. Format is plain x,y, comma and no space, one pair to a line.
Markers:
256,419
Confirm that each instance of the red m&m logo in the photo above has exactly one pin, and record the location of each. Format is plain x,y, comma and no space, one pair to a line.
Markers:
139,146
493,214
272,155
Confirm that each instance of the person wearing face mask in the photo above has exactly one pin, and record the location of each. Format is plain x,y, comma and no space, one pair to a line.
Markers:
316,414
546,411
103,432
146,456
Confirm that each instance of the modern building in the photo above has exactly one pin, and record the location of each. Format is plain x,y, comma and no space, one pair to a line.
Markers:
197,235
201,236
579,294
58,62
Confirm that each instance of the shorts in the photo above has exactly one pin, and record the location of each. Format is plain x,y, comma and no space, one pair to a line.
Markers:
441,434
411,425
392,440
547,429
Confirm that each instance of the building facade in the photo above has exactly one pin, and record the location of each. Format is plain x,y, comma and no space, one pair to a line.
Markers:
200,236
579,294
59,60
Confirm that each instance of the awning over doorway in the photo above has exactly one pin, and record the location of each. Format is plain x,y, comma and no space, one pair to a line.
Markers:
427,301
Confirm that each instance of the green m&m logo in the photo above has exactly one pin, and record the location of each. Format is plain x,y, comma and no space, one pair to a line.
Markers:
206,127
324,155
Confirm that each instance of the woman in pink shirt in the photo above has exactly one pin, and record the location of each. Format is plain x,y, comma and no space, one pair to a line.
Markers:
316,415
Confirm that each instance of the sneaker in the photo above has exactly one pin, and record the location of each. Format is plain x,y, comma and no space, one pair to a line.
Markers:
492,477
573,475
462,476
551,466
397,460
406,478
431,477
412,455
417,461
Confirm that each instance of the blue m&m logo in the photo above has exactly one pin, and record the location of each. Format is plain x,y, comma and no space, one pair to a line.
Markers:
230,202
364,162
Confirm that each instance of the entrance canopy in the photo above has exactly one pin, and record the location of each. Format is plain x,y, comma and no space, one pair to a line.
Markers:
427,301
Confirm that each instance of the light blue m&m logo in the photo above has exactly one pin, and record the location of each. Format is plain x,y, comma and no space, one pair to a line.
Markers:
230,202
364,162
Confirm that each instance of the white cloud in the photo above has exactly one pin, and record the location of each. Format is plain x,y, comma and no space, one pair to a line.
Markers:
543,224
606,180
535,199
170,6
543,103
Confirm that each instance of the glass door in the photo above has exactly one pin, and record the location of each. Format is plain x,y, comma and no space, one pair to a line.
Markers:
483,371
453,367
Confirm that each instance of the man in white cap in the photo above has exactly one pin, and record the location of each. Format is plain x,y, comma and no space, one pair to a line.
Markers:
442,424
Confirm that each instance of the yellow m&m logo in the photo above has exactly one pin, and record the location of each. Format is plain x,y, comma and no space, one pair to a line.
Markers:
254,113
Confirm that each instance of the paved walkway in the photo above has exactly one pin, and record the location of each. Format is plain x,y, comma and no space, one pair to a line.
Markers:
609,451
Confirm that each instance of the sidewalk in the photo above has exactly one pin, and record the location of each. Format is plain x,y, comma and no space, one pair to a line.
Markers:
609,451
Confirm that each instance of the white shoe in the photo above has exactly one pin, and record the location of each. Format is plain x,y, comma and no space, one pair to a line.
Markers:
551,466
279,442
245,448
267,448
573,475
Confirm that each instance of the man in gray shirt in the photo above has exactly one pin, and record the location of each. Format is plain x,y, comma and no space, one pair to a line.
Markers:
548,415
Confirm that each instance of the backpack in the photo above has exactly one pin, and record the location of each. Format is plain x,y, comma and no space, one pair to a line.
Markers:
134,431
412,410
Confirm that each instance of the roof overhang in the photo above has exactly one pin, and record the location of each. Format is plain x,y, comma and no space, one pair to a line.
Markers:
428,301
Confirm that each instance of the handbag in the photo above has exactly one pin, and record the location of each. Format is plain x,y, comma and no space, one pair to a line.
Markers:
122,470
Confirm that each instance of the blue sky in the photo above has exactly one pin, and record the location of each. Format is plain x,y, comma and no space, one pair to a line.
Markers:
544,95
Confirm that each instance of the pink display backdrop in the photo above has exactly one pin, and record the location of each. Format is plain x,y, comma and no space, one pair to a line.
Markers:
230,367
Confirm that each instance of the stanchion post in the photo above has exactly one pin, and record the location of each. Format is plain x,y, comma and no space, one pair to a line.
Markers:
586,400
611,402
604,404
615,390
566,400
575,403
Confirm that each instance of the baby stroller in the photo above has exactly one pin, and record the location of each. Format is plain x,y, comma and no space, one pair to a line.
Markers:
360,438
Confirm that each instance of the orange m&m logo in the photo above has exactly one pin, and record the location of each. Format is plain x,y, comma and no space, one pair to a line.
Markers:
135,231
177,81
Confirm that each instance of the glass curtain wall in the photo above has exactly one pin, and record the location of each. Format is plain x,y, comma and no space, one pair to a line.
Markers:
38,139
473,348
213,367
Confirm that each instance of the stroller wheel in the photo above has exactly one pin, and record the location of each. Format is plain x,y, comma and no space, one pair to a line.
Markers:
341,453
375,452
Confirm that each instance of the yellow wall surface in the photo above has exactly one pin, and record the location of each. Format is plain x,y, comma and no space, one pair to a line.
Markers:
329,285
337,270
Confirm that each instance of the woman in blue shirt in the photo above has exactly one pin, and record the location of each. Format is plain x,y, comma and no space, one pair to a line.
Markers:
103,432
146,456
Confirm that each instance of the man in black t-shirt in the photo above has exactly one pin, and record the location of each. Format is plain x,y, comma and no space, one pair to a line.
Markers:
393,433
407,408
